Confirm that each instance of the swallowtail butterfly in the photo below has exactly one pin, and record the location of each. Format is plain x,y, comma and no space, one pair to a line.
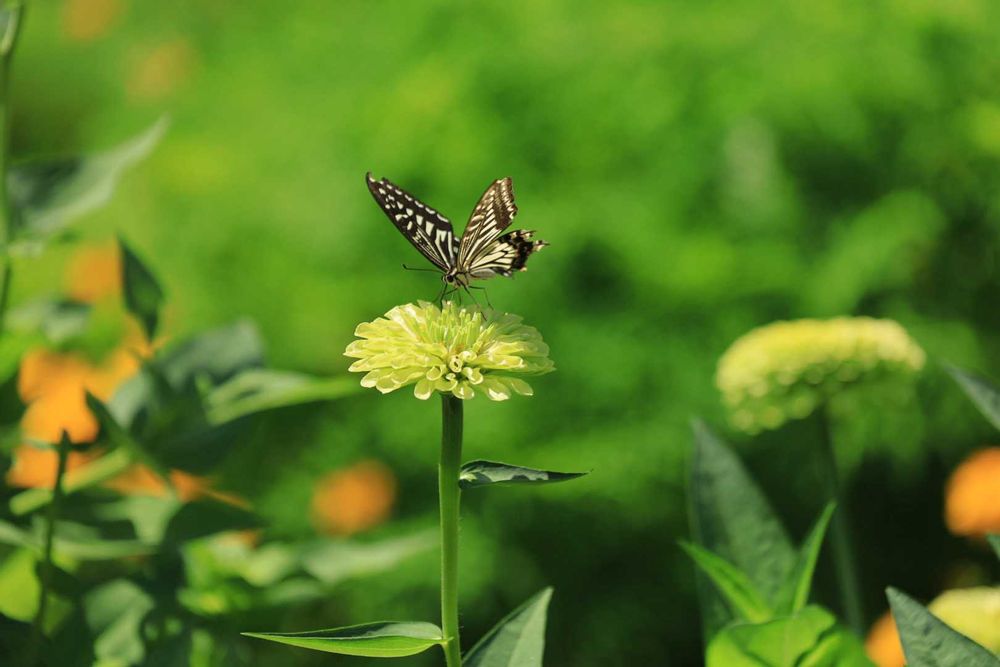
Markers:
483,251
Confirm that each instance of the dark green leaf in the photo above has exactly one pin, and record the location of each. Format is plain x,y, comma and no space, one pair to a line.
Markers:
143,294
49,194
732,518
518,640
928,642
994,541
809,638
744,600
121,439
386,639
483,473
795,593
218,354
203,518
259,389
983,393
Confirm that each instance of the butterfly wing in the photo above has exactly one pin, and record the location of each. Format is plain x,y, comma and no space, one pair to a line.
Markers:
428,231
491,216
505,255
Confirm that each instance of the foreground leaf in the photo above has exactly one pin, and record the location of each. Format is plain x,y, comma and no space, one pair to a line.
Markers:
731,518
143,294
983,393
518,640
928,642
386,639
735,587
483,473
795,593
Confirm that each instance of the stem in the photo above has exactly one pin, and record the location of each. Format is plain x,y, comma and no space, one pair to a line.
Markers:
840,533
46,564
7,43
449,494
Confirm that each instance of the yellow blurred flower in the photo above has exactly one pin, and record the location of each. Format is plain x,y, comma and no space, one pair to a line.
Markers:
157,73
94,273
786,370
86,20
354,499
972,496
975,612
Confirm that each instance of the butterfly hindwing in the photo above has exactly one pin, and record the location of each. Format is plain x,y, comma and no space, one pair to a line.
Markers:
505,255
491,216
429,231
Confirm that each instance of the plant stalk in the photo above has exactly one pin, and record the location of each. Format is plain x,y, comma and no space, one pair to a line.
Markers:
7,43
45,573
840,533
449,495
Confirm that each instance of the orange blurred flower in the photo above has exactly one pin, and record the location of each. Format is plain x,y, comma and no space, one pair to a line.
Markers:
86,20
160,71
882,644
972,496
141,481
94,272
354,499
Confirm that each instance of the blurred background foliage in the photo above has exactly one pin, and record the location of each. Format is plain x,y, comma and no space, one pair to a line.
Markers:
700,169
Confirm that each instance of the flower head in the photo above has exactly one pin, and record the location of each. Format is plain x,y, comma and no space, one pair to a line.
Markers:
452,349
972,498
785,370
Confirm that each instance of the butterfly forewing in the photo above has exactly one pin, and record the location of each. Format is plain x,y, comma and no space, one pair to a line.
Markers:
492,215
429,231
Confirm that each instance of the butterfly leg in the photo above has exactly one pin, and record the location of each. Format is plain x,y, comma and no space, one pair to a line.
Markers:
485,294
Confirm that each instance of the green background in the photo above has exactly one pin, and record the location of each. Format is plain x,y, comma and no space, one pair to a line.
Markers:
699,169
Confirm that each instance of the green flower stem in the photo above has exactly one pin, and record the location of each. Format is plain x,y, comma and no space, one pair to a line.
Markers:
45,573
450,494
7,43
840,533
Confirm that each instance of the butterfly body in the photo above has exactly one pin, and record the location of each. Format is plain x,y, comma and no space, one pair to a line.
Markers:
484,250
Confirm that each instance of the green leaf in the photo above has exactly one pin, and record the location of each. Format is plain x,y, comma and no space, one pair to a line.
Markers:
258,389
202,518
795,593
143,294
57,319
333,561
104,468
386,639
928,642
810,638
983,393
483,473
114,612
49,194
121,439
744,600
516,641
731,518
994,541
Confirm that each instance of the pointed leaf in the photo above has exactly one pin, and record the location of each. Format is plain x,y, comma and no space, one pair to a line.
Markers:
929,642
259,389
983,393
518,640
143,294
483,473
732,518
795,593
744,600
386,639
49,194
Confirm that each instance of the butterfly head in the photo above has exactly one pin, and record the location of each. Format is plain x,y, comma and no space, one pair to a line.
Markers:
455,277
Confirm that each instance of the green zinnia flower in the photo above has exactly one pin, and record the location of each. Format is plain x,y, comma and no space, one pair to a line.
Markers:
452,349
786,370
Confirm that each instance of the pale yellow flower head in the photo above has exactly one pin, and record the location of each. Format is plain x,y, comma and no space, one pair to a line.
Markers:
975,612
452,349
786,370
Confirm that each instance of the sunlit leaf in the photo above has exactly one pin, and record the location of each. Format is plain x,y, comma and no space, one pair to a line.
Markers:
483,473
983,393
518,640
260,389
810,638
386,639
142,291
736,588
49,194
795,593
928,642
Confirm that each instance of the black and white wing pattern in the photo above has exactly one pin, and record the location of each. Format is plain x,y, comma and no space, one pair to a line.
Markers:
485,251
428,231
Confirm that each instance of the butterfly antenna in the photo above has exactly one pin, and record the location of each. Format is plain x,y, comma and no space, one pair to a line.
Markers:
417,268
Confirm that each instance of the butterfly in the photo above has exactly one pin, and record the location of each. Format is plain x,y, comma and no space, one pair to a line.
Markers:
483,251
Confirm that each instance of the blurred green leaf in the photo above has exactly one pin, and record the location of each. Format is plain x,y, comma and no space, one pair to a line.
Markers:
49,194
743,599
104,468
483,473
57,319
142,291
114,612
202,518
516,641
121,439
78,545
333,561
10,23
795,593
928,642
386,639
994,541
217,354
731,518
259,389
19,586
810,637
983,393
